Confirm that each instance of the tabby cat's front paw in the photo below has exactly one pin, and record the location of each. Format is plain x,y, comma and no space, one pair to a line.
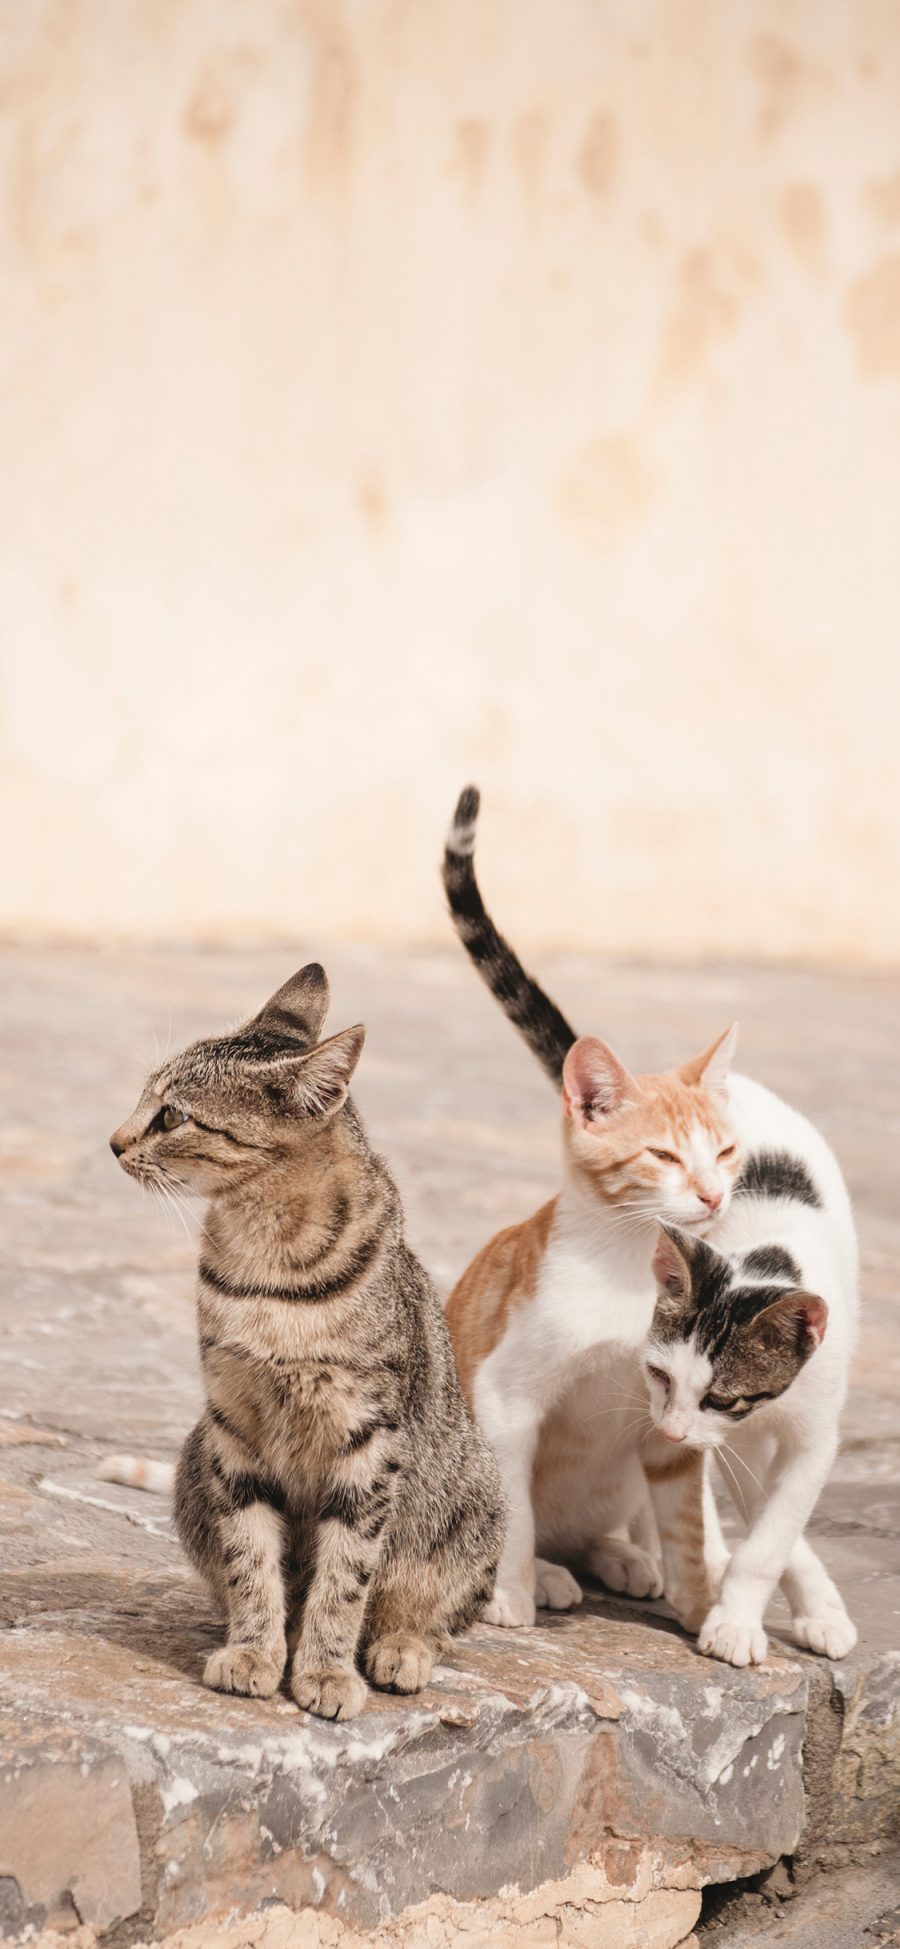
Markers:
241,1668
735,1643
833,1634
331,1694
511,1605
399,1662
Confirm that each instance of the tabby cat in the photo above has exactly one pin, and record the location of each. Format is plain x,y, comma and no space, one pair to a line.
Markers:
335,1492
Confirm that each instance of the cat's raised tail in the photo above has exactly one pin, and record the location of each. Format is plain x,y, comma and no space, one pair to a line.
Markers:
548,1035
134,1472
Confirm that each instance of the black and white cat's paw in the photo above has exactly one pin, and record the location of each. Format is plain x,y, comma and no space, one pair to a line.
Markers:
734,1641
555,1588
831,1632
511,1606
625,1568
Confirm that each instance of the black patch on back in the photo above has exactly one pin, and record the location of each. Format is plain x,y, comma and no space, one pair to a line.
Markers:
776,1174
771,1262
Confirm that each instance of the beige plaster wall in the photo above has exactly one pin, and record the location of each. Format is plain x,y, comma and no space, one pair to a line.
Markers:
398,391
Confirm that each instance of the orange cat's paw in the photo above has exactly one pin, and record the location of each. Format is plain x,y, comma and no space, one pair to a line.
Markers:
623,1567
555,1587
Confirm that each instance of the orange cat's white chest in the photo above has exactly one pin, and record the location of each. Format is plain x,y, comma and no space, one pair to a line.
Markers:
595,1283
589,1297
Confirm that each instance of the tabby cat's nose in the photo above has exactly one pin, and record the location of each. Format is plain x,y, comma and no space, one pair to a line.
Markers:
115,1146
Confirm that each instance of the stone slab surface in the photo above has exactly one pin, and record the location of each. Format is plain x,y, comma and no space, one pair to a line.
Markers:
600,1741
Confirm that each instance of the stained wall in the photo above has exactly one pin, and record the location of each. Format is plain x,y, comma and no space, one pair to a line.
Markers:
397,393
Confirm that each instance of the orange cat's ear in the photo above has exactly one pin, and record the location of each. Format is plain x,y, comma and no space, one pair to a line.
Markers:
594,1081
711,1069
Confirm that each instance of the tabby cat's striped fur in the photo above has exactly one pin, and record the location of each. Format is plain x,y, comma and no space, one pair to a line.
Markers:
335,1492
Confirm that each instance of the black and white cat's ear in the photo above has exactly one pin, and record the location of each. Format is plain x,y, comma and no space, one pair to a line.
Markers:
794,1324
595,1083
298,1009
711,1069
317,1084
672,1262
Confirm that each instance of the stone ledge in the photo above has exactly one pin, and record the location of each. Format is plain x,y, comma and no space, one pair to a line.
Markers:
595,1742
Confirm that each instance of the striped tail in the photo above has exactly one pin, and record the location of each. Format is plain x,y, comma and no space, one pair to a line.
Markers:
135,1473
548,1035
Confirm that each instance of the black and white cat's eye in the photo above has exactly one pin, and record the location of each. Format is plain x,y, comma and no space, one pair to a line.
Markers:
168,1118
656,1374
737,1406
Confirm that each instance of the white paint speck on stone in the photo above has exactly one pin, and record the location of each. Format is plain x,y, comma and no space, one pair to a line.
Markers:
179,1793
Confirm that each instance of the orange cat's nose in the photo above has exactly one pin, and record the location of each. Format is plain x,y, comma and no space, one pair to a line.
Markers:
711,1199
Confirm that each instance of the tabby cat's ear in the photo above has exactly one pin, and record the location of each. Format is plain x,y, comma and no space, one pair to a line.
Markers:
594,1081
672,1265
298,1009
316,1084
795,1324
711,1069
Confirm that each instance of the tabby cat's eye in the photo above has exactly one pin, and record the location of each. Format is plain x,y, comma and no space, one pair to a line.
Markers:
169,1118
665,1156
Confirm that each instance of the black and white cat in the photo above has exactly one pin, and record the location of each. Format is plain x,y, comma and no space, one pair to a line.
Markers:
749,1354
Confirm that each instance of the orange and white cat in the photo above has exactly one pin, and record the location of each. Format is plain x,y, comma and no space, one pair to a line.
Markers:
548,1325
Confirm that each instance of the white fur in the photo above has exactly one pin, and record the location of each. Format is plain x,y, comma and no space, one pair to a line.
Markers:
134,1472
578,1347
